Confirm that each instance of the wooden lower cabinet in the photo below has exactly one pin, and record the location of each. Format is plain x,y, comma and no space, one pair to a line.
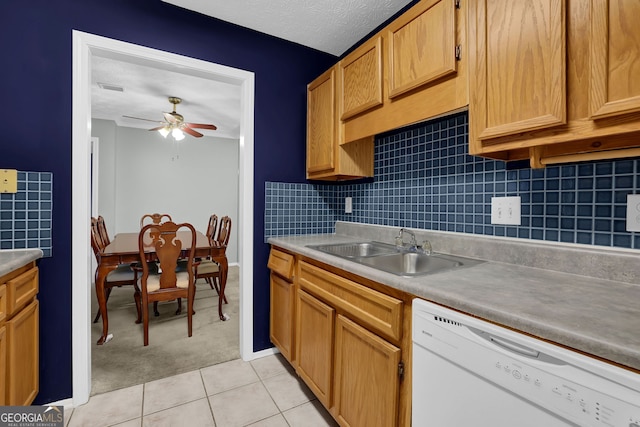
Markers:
282,293
19,336
366,381
314,345
22,357
348,339
281,319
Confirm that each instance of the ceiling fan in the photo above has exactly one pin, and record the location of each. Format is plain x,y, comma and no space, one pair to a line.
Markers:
174,123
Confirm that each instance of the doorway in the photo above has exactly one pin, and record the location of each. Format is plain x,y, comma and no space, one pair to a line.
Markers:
84,47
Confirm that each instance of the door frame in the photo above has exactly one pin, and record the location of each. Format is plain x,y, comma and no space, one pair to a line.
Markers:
85,46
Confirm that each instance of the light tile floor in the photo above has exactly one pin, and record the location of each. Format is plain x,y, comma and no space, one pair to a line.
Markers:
265,392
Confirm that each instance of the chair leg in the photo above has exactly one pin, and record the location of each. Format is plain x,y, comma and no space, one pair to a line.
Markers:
179,310
107,292
137,298
215,283
155,309
145,323
209,281
190,311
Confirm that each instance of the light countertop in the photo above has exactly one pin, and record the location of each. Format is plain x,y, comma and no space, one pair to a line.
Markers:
12,259
597,312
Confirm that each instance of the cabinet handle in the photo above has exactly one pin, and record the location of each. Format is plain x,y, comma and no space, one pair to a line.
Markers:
458,52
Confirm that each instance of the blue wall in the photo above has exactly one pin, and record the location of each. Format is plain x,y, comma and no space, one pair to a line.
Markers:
35,37
425,179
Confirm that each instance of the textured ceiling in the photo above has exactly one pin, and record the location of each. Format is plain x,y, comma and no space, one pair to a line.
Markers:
146,89
331,26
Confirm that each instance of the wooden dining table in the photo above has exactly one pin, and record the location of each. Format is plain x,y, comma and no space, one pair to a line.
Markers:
123,249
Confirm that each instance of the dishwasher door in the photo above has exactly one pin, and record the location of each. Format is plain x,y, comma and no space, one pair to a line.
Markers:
467,372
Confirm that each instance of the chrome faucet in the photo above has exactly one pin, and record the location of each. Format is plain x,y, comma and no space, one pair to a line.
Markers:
400,239
425,247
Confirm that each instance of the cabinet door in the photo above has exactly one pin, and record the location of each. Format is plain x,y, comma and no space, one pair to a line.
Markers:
22,355
281,315
517,79
422,46
314,345
366,377
615,49
321,124
3,365
361,79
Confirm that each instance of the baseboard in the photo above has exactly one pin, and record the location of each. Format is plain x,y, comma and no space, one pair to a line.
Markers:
264,353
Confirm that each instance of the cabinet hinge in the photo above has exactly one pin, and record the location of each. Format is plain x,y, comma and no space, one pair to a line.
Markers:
401,370
457,3
458,52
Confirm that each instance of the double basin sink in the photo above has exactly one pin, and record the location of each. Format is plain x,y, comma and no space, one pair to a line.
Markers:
399,261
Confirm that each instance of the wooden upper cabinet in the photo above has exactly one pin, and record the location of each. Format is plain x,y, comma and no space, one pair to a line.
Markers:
329,158
517,76
424,69
615,58
554,81
321,123
422,46
361,79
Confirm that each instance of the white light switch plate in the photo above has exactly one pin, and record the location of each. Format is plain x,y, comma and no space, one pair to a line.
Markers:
633,212
348,205
505,210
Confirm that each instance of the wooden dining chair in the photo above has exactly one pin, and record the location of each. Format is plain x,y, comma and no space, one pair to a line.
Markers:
208,269
166,283
156,218
102,229
123,275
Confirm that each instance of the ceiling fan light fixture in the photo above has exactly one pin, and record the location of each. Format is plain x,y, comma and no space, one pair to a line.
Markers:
164,131
177,134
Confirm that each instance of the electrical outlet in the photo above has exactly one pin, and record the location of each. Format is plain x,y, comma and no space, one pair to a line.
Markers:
633,212
348,205
505,210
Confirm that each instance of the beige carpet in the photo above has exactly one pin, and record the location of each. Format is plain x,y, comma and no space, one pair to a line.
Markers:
124,361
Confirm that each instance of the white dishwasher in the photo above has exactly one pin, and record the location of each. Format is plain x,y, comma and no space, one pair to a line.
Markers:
468,372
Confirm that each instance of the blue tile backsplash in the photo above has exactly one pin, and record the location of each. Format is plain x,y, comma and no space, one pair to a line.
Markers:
26,216
425,178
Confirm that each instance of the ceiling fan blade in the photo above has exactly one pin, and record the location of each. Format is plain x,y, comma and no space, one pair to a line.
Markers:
190,131
146,120
158,128
201,126
169,117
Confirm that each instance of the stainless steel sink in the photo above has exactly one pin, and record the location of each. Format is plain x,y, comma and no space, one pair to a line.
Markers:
356,250
389,258
416,264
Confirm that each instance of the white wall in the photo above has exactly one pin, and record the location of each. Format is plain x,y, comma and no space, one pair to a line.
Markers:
145,173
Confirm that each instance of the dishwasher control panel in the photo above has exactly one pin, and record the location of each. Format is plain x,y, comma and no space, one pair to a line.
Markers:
572,386
580,403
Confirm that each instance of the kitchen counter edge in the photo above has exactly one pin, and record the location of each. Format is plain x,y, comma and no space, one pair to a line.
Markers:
12,259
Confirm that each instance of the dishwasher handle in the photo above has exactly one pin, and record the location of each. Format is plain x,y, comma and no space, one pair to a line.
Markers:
515,348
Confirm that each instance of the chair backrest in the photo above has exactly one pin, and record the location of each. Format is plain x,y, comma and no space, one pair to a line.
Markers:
102,229
156,218
169,247
96,240
212,227
224,232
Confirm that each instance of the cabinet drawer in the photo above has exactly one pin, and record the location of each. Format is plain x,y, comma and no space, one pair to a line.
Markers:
21,290
373,309
281,263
